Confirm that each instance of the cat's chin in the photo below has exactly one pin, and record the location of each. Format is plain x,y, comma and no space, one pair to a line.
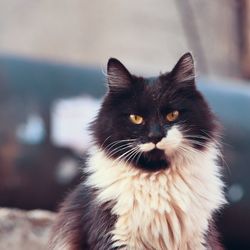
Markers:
153,160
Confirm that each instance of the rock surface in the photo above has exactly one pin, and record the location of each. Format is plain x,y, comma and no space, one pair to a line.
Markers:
24,230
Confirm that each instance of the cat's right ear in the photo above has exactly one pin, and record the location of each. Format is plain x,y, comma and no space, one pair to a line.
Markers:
119,78
184,71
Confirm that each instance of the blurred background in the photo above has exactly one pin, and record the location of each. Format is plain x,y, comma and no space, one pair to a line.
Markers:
52,58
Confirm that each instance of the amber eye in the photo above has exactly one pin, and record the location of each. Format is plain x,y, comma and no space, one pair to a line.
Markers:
172,116
136,119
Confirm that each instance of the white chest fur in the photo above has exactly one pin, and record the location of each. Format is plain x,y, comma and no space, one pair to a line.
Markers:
168,209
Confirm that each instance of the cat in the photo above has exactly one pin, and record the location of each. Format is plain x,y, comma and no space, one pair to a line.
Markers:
152,180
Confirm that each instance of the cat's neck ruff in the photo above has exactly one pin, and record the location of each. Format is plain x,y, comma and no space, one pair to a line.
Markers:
168,209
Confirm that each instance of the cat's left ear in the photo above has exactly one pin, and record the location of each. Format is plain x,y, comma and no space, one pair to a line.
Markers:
119,77
184,70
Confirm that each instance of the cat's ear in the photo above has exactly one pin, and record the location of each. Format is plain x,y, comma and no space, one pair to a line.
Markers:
184,70
119,77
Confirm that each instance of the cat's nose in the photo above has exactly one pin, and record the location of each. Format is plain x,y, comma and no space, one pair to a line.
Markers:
155,134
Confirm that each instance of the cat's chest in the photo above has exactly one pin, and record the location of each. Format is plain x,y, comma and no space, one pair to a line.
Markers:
154,214
162,210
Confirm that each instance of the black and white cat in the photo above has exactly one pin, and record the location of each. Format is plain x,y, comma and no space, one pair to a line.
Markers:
152,180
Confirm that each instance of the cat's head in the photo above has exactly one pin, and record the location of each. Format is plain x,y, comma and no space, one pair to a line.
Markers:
147,122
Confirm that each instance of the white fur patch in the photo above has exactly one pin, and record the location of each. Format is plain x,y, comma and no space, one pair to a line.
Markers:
168,209
171,142
145,147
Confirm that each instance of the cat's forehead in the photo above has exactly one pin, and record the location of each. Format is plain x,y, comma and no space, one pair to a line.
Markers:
156,88
151,81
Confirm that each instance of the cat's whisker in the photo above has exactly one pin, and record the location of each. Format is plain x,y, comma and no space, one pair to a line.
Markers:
197,137
120,141
105,141
187,157
209,135
138,157
121,157
193,138
111,152
191,141
135,155
219,148
113,144
188,149
131,156
202,137
118,149
123,160
217,135
135,151
220,155
180,123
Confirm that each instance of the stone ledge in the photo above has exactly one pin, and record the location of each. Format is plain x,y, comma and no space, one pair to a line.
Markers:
24,230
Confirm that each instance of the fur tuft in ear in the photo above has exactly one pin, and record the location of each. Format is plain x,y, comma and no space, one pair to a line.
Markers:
119,77
184,69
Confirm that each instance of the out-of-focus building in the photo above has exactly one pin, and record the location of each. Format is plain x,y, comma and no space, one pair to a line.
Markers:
148,35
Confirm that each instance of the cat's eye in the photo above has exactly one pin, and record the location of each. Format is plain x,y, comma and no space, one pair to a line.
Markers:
136,119
172,116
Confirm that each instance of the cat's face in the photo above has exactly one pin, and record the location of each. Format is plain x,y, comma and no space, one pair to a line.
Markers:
148,122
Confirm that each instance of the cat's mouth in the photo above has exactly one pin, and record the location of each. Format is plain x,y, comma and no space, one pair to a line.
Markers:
153,160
